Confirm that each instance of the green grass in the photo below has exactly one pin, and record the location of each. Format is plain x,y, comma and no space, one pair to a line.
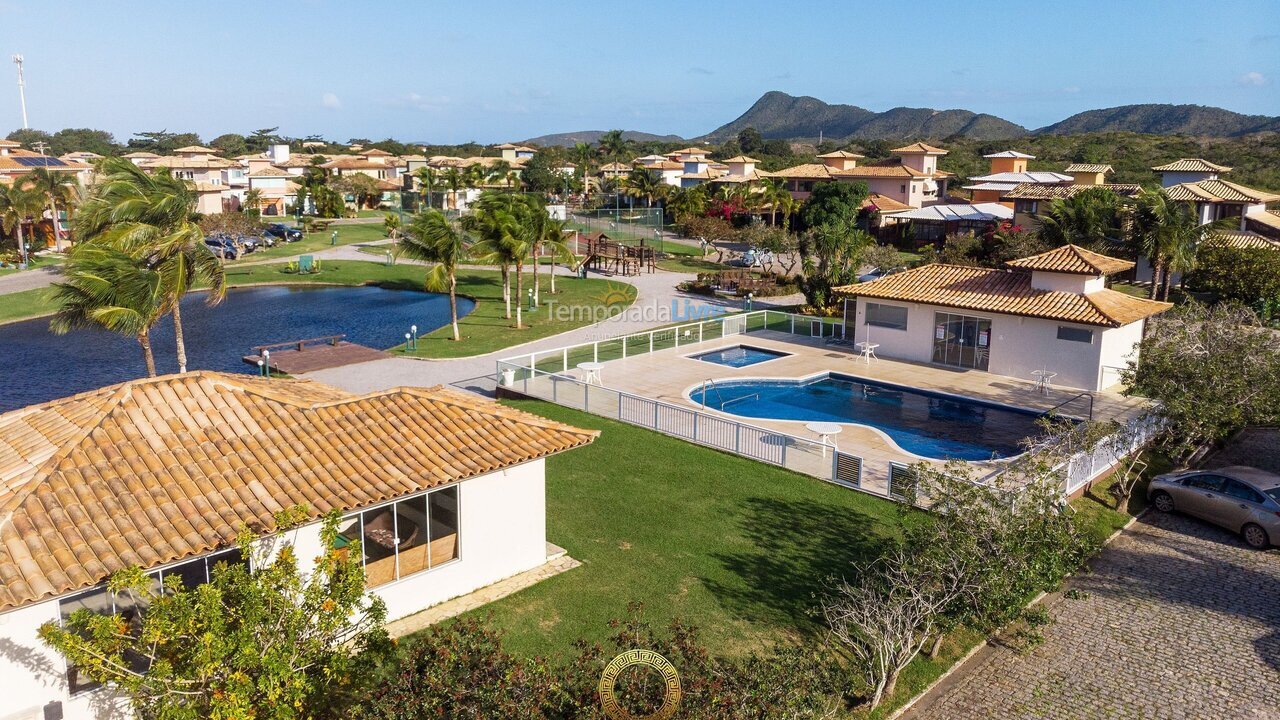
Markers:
691,264
733,546
25,304
37,261
313,242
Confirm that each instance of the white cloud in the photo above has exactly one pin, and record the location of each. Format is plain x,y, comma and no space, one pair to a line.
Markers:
1253,78
330,101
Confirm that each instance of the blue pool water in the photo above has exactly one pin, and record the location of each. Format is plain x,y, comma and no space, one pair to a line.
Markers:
923,423
739,356
43,366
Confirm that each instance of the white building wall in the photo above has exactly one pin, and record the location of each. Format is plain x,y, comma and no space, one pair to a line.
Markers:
1119,346
502,529
1019,345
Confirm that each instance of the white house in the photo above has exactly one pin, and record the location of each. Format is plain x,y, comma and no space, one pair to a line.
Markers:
1050,312
443,492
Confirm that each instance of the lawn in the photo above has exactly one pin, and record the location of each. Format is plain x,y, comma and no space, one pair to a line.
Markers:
37,261
735,547
25,304
347,234
691,264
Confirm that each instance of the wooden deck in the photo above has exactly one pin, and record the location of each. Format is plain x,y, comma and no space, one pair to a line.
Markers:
304,356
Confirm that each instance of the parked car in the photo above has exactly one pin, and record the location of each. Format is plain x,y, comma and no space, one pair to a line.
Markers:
248,242
283,232
266,240
223,246
1241,499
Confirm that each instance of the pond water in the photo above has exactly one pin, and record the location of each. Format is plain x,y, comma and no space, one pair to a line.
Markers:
41,366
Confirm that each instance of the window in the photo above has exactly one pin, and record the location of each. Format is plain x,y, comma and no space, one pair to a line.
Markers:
903,189
1240,491
1075,334
1026,207
886,316
406,537
1205,482
130,607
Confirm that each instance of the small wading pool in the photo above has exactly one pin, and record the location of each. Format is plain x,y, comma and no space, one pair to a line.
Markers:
922,423
739,356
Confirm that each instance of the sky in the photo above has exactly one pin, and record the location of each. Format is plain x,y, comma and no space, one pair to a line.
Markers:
451,72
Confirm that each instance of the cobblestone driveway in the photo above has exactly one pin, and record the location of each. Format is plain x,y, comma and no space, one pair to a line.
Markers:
1179,620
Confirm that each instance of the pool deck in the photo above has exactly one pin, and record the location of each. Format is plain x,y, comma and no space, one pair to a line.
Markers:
669,375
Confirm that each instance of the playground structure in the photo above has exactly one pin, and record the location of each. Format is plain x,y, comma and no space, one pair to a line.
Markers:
613,258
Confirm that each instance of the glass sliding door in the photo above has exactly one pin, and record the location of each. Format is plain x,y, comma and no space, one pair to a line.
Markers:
961,341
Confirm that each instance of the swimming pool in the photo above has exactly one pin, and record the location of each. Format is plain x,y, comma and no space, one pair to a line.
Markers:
739,356
922,423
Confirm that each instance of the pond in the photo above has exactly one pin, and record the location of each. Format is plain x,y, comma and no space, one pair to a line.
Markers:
41,366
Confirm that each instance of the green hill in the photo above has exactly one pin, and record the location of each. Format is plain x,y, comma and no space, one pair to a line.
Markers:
1164,120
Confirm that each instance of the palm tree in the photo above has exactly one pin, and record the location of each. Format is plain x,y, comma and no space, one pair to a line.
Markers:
775,194
546,235
426,176
498,172
1169,233
1091,218
454,179
612,145
496,224
107,288
252,202
643,184
58,188
687,202
148,217
430,237
19,203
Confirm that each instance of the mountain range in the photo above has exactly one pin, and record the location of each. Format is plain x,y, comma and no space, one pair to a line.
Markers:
777,115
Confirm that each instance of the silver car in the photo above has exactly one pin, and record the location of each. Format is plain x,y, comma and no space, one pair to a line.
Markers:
1241,499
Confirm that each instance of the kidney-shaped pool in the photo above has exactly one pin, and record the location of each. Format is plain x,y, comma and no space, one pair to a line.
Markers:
922,423
41,366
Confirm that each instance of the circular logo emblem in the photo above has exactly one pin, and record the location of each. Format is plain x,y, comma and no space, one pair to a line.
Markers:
645,658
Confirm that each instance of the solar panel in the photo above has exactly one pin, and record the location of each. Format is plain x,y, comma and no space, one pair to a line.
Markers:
39,161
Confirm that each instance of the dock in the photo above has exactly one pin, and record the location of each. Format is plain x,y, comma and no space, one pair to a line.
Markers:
304,356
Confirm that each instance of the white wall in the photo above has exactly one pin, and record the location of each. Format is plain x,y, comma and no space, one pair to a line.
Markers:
502,529
1019,345
1119,345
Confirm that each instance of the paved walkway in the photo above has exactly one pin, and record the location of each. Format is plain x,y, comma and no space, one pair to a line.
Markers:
1178,620
450,608
30,279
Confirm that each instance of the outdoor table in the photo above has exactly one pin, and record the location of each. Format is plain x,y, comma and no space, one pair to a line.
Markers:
592,372
1044,380
826,433
868,350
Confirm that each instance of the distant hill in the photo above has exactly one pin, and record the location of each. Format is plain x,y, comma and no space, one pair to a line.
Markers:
778,115
1164,120
570,139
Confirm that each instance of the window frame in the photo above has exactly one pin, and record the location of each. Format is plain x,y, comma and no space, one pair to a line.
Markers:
358,517
867,321
1075,330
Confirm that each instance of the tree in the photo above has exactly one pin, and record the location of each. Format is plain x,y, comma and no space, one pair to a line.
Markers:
750,141
161,142
230,144
685,204
20,202
1211,370
30,138
264,639
107,288
391,225
252,206
1168,232
426,177
1091,218
70,140
713,232
833,202
831,255
430,237
643,184
59,189
362,189
495,222
454,179
149,217
546,235
1246,275
259,140
613,145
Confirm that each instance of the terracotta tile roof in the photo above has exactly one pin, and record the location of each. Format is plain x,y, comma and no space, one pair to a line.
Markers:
885,204
140,155
901,171
841,154
183,163
1072,259
664,165
1192,165
152,471
1009,154
1087,168
1007,292
195,149
617,166
752,176
270,171
12,144
1040,191
1242,240
1270,218
708,174
375,152
808,171
690,151
920,149
740,159
1218,191
208,187
349,162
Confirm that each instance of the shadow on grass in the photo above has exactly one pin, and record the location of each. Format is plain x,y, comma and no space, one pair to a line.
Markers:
796,546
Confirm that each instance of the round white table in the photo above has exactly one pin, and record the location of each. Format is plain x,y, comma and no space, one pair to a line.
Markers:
868,350
826,433
591,372
1044,380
